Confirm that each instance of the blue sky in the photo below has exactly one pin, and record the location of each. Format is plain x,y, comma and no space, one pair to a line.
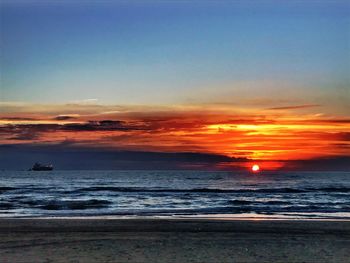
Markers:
264,80
161,52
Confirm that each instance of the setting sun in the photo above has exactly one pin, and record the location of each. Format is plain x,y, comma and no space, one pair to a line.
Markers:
255,168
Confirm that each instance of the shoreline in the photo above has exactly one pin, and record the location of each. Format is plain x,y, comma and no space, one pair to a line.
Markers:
169,224
177,218
173,240
214,217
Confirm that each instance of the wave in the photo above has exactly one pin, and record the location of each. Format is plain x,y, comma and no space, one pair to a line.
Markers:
224,210
191,190
332,189
253,209
6,188
246,202
212,190
56,204
6,206
74,204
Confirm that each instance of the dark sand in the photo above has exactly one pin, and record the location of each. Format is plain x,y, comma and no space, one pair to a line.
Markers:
160,240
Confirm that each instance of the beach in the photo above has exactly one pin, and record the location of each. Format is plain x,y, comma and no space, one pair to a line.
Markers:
173,240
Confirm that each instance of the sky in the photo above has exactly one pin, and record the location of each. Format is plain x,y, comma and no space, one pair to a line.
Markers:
254,81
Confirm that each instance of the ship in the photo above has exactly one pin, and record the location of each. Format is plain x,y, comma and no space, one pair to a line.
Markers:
41,167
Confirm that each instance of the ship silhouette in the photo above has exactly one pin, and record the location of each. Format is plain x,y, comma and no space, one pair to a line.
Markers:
40,167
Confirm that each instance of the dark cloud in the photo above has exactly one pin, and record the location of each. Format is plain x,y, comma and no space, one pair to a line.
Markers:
344,136
25,131
16,130
294,107
70,156
64,117
104,125
340,121
25,135
17,119
333,163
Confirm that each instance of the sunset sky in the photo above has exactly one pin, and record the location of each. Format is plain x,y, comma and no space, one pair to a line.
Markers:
231,82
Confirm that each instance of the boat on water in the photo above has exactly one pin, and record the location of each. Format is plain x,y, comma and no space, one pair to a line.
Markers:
41,167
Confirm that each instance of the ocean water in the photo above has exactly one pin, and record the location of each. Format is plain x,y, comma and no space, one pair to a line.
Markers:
175,193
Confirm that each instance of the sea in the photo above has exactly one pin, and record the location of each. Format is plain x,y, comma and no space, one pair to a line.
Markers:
183,194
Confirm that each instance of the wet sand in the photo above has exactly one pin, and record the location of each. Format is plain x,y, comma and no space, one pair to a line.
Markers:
173,240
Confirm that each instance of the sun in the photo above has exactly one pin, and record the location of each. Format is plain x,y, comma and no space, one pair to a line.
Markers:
255,168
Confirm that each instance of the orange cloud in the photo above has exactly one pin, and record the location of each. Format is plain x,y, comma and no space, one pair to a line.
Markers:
232,132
